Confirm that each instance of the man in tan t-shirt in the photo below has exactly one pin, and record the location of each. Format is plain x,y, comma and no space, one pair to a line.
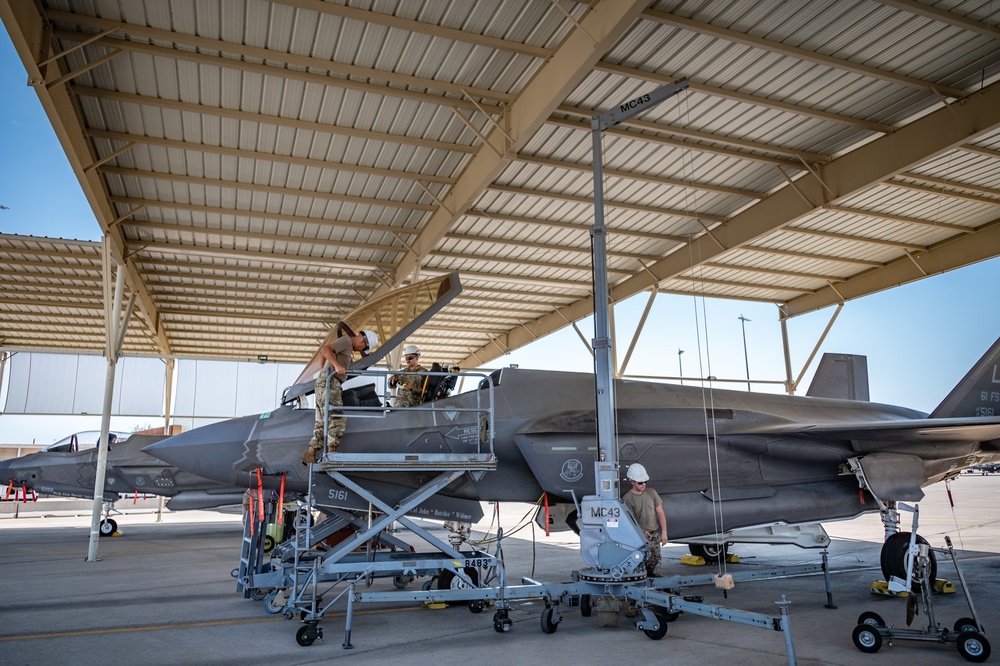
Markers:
647,509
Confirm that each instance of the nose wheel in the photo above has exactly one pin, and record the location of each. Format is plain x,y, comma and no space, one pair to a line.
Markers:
108,527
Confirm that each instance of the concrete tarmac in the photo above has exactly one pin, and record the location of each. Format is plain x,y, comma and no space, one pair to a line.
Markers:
162,594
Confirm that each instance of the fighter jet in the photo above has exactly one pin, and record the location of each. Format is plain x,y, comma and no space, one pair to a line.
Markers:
727,464
68,469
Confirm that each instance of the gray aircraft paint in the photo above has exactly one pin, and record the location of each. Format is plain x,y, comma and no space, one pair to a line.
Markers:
780,459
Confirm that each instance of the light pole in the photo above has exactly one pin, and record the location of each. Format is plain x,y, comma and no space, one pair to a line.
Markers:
746,358
680,365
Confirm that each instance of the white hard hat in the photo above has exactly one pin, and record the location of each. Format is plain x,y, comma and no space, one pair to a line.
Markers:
637,472
371,338
411,349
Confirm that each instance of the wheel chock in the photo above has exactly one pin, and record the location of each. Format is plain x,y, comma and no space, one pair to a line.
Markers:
732,559
116,533
435,605
943,586
882,587
693,560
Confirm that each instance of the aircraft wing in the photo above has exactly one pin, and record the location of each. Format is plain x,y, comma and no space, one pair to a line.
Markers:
692,421
938,430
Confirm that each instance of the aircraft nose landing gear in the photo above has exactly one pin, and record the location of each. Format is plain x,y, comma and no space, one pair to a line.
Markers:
966,633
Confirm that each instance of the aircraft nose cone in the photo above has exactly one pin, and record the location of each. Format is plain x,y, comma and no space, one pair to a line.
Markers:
6,472
213,452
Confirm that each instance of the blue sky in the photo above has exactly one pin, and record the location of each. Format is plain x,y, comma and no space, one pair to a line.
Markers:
920,338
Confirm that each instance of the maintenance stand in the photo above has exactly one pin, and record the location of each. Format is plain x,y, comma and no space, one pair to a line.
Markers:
612,545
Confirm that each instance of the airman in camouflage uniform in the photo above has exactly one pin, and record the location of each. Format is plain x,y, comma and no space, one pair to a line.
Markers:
337,355
411,387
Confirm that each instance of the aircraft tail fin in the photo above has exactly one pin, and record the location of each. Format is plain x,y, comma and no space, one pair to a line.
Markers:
841,376
978,394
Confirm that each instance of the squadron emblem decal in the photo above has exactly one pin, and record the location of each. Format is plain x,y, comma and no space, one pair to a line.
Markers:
572,471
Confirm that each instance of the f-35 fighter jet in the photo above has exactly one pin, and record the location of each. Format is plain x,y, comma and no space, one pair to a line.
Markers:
758,461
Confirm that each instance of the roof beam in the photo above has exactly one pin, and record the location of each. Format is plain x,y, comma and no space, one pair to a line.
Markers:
628,175
927,11
765,102
142,247
944,256
810,255
851,238
219,315
855,171
30,32
505,278
774,271
409,25
205,271
660,128
741,284
325,80
589,201
634,135
596,32
799,53
262,215
575,226
947,193
242,153
277,121
514,261
247,54
511,242
264,189
944,182
253,235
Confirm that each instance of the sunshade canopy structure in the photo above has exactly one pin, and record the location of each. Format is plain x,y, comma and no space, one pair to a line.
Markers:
262,168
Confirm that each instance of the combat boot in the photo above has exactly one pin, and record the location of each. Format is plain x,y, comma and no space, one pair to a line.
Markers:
309,456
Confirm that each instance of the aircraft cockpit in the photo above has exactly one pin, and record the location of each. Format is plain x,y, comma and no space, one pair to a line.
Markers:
494,379
81,441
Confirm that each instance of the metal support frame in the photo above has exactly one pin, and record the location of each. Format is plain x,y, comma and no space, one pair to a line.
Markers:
115,328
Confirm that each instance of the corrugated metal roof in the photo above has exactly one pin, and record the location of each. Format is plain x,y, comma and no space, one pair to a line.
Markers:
266,167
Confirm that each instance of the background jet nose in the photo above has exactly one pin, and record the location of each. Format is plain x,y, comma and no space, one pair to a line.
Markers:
6,475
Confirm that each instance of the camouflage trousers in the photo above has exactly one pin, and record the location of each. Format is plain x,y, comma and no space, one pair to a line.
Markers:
653,556
336,424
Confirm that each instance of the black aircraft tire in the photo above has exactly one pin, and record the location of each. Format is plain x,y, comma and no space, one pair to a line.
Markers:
710,552
585,608
108,527
866,638
872,619
894,553
973,646
964,624
447,580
